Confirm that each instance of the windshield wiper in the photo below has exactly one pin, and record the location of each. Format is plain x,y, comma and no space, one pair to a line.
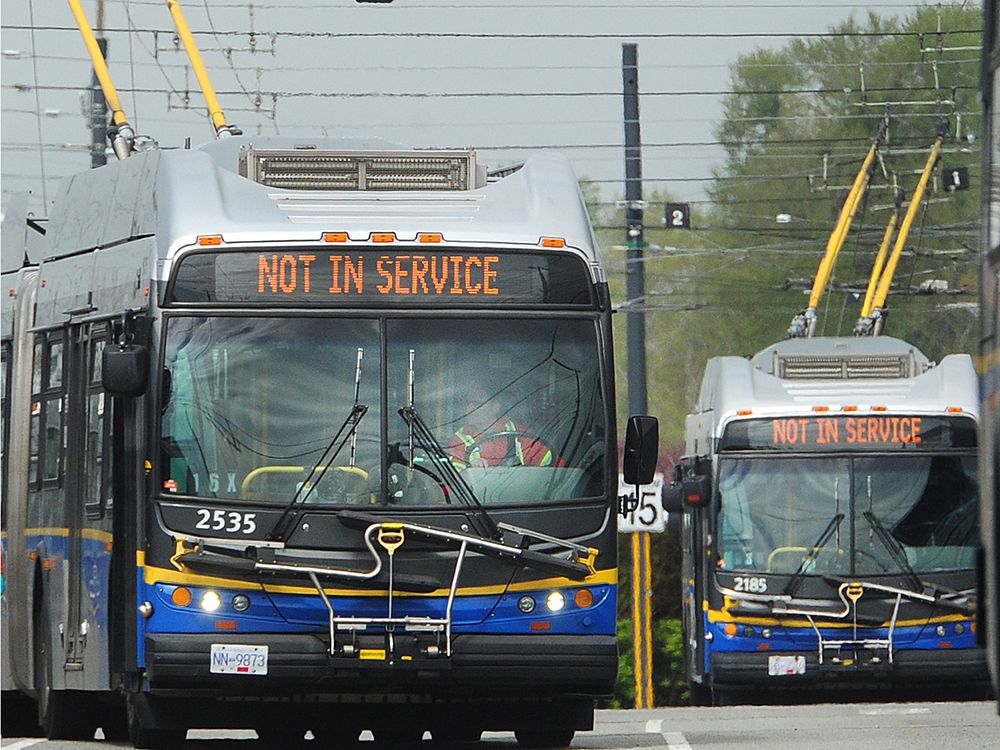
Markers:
895,550
348,429
446,473
453,482
796,580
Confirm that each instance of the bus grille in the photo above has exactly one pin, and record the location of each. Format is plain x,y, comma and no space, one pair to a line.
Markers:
315,169
883,367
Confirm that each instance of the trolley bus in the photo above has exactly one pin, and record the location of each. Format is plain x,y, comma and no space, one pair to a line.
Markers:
989,351
312,437
829,529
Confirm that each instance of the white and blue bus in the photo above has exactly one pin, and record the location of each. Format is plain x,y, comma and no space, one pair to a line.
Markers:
828,490
310,437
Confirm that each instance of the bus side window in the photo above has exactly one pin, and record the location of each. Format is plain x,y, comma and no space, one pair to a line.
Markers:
98,453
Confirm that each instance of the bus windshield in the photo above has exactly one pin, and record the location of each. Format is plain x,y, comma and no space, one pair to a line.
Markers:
512,410
773,511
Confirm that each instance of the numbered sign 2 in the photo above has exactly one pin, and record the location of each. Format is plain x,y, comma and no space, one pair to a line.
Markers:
648,514
677,216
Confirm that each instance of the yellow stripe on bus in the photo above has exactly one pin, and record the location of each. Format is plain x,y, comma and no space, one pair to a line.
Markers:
715,615
153,575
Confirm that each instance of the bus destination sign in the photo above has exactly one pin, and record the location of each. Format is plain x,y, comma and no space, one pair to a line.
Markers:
854,433
319,275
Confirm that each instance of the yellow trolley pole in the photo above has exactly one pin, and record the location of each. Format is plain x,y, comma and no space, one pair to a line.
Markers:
877,312
124,138
211,100
862,327
804,324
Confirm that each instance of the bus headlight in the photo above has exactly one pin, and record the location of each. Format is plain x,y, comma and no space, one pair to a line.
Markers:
210,601
555,601
241,602
526,604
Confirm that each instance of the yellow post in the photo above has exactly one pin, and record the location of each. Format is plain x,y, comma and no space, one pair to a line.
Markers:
123,142
642,619
211,101
882,291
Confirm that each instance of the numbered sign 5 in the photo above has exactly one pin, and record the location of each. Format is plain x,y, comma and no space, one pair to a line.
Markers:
648,514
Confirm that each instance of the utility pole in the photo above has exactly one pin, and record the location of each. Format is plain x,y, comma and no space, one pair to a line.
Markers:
98,103
642,589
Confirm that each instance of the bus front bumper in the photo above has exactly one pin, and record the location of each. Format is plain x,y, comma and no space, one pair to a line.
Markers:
939,666
543,664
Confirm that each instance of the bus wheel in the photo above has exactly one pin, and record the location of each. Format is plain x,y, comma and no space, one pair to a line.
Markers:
144,732
281,736
699,695
550,737
456,733
62,714
398,734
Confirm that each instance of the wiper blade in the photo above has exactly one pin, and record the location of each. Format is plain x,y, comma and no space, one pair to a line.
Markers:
350,427
796,580
895,550
446,472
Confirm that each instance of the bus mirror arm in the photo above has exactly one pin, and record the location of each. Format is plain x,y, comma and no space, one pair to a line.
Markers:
124,364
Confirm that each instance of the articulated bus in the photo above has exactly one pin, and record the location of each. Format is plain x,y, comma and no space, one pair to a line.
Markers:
829,524
311,437
989,351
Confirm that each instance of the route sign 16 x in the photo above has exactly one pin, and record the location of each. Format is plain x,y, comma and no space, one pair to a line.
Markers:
648,514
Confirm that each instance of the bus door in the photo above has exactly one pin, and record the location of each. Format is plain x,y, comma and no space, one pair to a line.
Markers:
86,439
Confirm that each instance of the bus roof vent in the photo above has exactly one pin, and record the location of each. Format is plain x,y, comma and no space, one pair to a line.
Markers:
872,366
320,169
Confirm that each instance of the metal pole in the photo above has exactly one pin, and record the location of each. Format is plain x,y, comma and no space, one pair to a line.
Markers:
635,293
634,272
98,102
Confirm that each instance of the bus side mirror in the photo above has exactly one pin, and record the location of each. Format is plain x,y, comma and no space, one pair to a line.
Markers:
641,449
696,491
673,498
124,370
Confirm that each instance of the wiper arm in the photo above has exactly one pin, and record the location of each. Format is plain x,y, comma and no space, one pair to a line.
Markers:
348,429
896,550
452,479
796,580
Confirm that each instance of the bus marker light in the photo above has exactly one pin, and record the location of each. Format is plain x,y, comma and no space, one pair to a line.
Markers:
210,601
944,644
850,408
954,410
181,596
763,646
552,242
430,237
880,408
744,412
383,237
583,598
821,408
225,625
335,237
730,628
555,601
541,626
210,239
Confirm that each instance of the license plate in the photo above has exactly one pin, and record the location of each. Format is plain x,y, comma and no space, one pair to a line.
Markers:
783,665
233,659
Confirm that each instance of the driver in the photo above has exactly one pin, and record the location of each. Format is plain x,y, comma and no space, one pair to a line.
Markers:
490,436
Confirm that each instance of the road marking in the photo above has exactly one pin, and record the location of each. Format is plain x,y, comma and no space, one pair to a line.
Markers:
21,744
674,740
892,711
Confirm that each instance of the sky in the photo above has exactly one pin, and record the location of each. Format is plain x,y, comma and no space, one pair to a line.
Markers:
504,77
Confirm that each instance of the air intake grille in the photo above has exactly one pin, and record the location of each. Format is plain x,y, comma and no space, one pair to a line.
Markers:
307,169
845,368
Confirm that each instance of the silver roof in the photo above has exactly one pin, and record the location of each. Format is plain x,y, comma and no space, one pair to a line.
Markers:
181,194
731,384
